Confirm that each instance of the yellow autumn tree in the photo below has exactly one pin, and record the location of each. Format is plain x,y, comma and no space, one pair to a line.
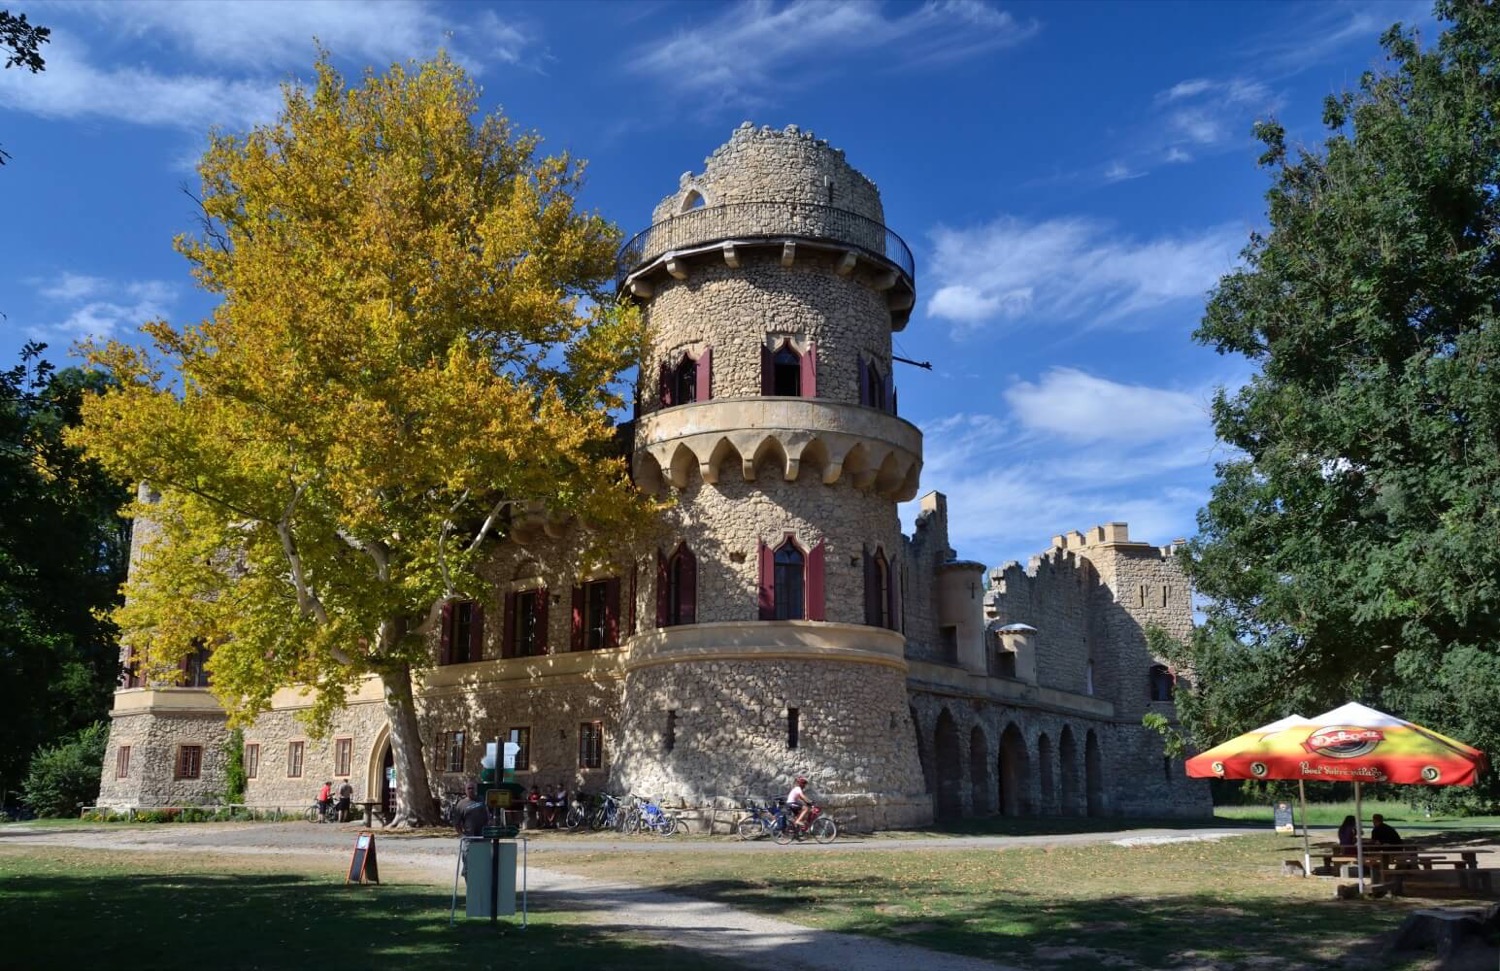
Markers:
413,333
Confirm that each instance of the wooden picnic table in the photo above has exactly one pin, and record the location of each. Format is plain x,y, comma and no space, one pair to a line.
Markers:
1400,858
369,808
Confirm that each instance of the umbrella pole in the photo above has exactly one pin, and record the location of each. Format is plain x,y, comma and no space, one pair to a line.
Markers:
1306,848
1359,839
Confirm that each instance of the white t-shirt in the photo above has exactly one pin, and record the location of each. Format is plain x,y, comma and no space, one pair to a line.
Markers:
796,797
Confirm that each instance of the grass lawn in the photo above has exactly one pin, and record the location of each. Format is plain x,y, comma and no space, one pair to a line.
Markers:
1221,904
62,908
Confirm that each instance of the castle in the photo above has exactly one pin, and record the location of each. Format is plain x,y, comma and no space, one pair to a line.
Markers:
785,624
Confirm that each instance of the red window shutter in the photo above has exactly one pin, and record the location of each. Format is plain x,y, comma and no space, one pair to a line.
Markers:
872,591
767,560
688,608
476,631
577,617
445,638
635,571
508,636
612,612
541,622
864,381
661,589
705,375
664,386
767,372
810,371
815,583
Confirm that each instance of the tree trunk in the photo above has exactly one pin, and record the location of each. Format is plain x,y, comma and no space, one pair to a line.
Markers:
414,802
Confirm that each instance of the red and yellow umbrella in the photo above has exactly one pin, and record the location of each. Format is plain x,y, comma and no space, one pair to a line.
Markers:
1352,743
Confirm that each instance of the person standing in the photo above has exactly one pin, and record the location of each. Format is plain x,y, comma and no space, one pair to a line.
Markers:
472,815
325,797
342,808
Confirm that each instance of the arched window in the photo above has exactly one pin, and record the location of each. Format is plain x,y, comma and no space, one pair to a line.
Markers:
789,373
791,581
1161,683
791,600
880,591
687,380
693,200
1088,677
876,390
676,587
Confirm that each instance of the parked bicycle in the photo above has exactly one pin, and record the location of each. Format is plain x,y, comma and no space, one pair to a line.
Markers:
761,821
654,819
820,827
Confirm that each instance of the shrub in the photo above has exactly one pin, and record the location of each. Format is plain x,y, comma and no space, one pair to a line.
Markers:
64,776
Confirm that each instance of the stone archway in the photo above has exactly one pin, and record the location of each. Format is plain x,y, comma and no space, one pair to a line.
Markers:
979,773
949,768
1067,752
1093,774
380,776
1015,774
1046,775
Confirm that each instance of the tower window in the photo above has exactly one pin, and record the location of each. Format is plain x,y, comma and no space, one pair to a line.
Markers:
788,373
525,623
791,582
590,745
688,380
793,727
669,738
194,669
880,591
676,588
875,387
462,638
1161,681
596,611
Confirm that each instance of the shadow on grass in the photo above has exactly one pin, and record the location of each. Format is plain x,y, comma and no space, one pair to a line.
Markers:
1063,825
166,922
1058,934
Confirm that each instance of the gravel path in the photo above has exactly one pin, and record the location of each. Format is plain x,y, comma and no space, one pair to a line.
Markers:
746,939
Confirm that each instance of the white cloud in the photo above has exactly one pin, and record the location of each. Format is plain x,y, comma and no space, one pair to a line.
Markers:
1204,112
1067,269
1079,407
741,48
1177,155
194,65
90,307
1075,451
1119,172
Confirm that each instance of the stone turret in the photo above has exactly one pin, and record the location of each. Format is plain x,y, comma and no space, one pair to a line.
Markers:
767,410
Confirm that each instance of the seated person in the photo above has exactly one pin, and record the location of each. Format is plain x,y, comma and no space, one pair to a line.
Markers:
1348,834
1383,832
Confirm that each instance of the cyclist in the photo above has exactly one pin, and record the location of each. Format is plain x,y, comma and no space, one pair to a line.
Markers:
325,800
797,801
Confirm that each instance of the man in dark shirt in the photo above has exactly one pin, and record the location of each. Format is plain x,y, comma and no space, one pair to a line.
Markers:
472,814
1382,832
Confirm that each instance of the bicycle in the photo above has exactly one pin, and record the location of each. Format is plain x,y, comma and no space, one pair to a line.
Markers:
578,813
760,823
605,813
654,819
819,827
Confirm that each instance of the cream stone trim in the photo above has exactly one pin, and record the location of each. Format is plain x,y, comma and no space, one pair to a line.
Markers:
136,701
300,696
563,668
834,440
798,640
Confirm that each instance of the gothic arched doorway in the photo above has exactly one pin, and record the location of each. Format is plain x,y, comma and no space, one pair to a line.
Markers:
1093,771
1067,752
949,768
1015,773
979,773
1049,785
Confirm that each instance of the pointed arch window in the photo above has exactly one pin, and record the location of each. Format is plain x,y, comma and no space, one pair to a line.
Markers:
881,591
687,379
876,387
791,581
787,372
676,587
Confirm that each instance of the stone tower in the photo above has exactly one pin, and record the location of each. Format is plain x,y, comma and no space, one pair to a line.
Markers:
766,409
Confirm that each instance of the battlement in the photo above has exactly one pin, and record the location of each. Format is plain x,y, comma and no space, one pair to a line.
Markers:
1109,535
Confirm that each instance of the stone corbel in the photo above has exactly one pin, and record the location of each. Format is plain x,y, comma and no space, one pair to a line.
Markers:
788,253
731,258
846,265
641,289
677,268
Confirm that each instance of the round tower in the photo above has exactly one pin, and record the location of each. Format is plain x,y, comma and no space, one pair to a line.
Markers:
771,644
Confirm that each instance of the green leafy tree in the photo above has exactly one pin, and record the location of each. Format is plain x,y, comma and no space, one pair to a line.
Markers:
235,778
1349,549
21,43
415,332
63,554
64,776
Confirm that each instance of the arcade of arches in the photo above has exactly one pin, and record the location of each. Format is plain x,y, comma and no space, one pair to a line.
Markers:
1014,763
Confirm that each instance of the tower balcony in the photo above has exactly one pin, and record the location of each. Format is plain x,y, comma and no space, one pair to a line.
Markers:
873,450
856,246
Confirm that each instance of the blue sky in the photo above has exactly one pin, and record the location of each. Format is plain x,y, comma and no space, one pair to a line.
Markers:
1072,177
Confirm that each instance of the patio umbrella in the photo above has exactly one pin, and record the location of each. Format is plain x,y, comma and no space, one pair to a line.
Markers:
1351,743
1230,760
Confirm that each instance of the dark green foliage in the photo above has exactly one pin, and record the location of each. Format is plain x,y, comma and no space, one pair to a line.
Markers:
21,42
63,552
235,779
1351,547
65,776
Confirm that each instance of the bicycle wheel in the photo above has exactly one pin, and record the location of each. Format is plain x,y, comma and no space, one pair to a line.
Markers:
783,832
670,826
599,818
574,819
311,815
751,828
824,830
